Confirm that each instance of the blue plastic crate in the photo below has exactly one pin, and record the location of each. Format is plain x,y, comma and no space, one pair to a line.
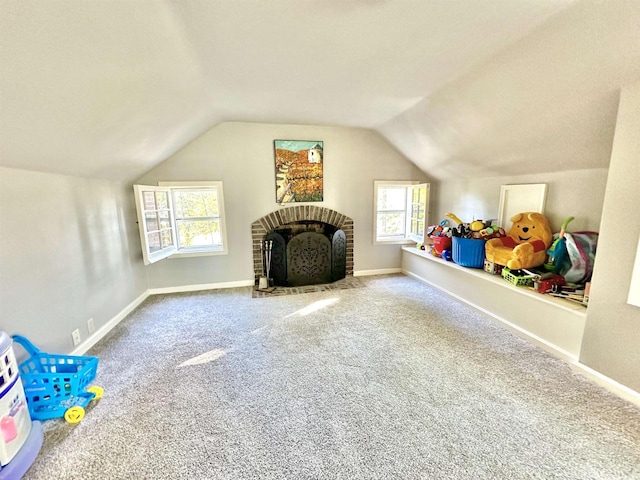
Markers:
468,252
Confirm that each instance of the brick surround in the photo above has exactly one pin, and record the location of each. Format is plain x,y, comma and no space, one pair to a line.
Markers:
279,218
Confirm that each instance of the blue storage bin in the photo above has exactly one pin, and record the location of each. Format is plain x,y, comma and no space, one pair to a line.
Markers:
468,252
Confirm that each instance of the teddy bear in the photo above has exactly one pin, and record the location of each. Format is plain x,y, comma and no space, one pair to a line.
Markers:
525,245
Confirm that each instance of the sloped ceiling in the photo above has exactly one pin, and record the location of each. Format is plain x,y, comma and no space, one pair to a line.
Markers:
110,88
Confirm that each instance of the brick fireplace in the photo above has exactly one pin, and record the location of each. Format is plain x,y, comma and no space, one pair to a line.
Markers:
300,214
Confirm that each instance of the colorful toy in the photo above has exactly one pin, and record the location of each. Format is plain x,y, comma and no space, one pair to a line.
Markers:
492,268
57,385
558,250
525,245
548,283
15,422
519,278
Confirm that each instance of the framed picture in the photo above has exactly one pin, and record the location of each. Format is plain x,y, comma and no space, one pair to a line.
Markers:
298,170
520,198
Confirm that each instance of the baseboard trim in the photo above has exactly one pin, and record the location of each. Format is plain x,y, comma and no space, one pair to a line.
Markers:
107,327
202,286
380,271
521,332
607,383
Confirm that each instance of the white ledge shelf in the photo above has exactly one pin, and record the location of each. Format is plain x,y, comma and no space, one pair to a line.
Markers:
551,322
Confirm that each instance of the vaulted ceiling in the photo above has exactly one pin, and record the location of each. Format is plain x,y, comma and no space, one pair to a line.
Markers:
111,88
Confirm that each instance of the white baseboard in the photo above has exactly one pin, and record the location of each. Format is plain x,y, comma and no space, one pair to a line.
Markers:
521,332
106,328
614,387
381,271
202,286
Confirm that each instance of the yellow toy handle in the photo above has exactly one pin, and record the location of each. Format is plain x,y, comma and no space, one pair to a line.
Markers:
454,218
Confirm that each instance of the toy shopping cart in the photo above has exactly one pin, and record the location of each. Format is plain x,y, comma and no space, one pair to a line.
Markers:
57,385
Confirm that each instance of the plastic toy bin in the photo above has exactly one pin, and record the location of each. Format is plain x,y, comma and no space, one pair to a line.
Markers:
441,243
468,252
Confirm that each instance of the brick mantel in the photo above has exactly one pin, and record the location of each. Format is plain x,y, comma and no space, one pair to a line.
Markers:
284,216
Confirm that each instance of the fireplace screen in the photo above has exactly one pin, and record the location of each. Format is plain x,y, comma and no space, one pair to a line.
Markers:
309,253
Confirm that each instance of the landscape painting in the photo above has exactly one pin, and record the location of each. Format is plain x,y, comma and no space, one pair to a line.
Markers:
298,170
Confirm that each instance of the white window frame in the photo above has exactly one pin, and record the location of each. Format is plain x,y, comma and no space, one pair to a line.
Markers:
407,236
177,251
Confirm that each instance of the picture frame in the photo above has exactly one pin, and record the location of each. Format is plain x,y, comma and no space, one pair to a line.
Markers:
299,170
529,197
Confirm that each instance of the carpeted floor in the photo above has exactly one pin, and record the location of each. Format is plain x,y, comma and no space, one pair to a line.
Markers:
392,380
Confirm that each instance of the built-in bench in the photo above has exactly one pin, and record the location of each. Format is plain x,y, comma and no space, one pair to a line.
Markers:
553,323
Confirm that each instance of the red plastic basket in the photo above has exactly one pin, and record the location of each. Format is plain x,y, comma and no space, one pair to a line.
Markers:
441,243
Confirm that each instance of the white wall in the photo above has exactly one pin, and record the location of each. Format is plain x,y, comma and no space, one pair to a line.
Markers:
611,343
241,155
68,252
578,194
545,103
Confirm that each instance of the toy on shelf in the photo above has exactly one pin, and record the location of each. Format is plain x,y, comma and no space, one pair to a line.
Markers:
557,252
439,238
477,229
492,268
57,385
519,278
525,245
467,240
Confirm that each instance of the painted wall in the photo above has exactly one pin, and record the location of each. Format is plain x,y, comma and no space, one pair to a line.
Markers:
69,252
611,343
546,103
241,156
577,193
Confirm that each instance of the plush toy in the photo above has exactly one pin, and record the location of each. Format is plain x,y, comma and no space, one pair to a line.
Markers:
525,245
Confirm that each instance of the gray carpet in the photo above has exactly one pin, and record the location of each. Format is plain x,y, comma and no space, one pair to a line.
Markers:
392,380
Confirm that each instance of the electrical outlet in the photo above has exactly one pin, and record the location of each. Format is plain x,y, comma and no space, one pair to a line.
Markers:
76,337
91,327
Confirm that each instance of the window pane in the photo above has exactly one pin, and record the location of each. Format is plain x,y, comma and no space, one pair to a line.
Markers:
390,224
165,221
423,195
196,203
392,198
151,219
149,200
162,200
199,233
167,238
153,241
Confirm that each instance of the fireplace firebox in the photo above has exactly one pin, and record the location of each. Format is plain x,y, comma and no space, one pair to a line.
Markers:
310,245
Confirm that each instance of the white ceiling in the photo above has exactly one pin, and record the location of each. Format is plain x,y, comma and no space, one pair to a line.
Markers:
110,89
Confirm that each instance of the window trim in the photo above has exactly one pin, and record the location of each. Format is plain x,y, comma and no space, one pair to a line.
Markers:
223,226
148,256
169,187
408,237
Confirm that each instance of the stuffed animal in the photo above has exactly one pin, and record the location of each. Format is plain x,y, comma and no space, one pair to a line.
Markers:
525,245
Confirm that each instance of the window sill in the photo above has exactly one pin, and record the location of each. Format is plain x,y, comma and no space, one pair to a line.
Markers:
402,241
199,253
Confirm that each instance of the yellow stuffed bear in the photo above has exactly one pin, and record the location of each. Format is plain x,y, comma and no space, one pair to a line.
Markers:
525,245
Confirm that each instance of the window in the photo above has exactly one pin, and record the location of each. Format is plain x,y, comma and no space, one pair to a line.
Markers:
400,211
180,219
